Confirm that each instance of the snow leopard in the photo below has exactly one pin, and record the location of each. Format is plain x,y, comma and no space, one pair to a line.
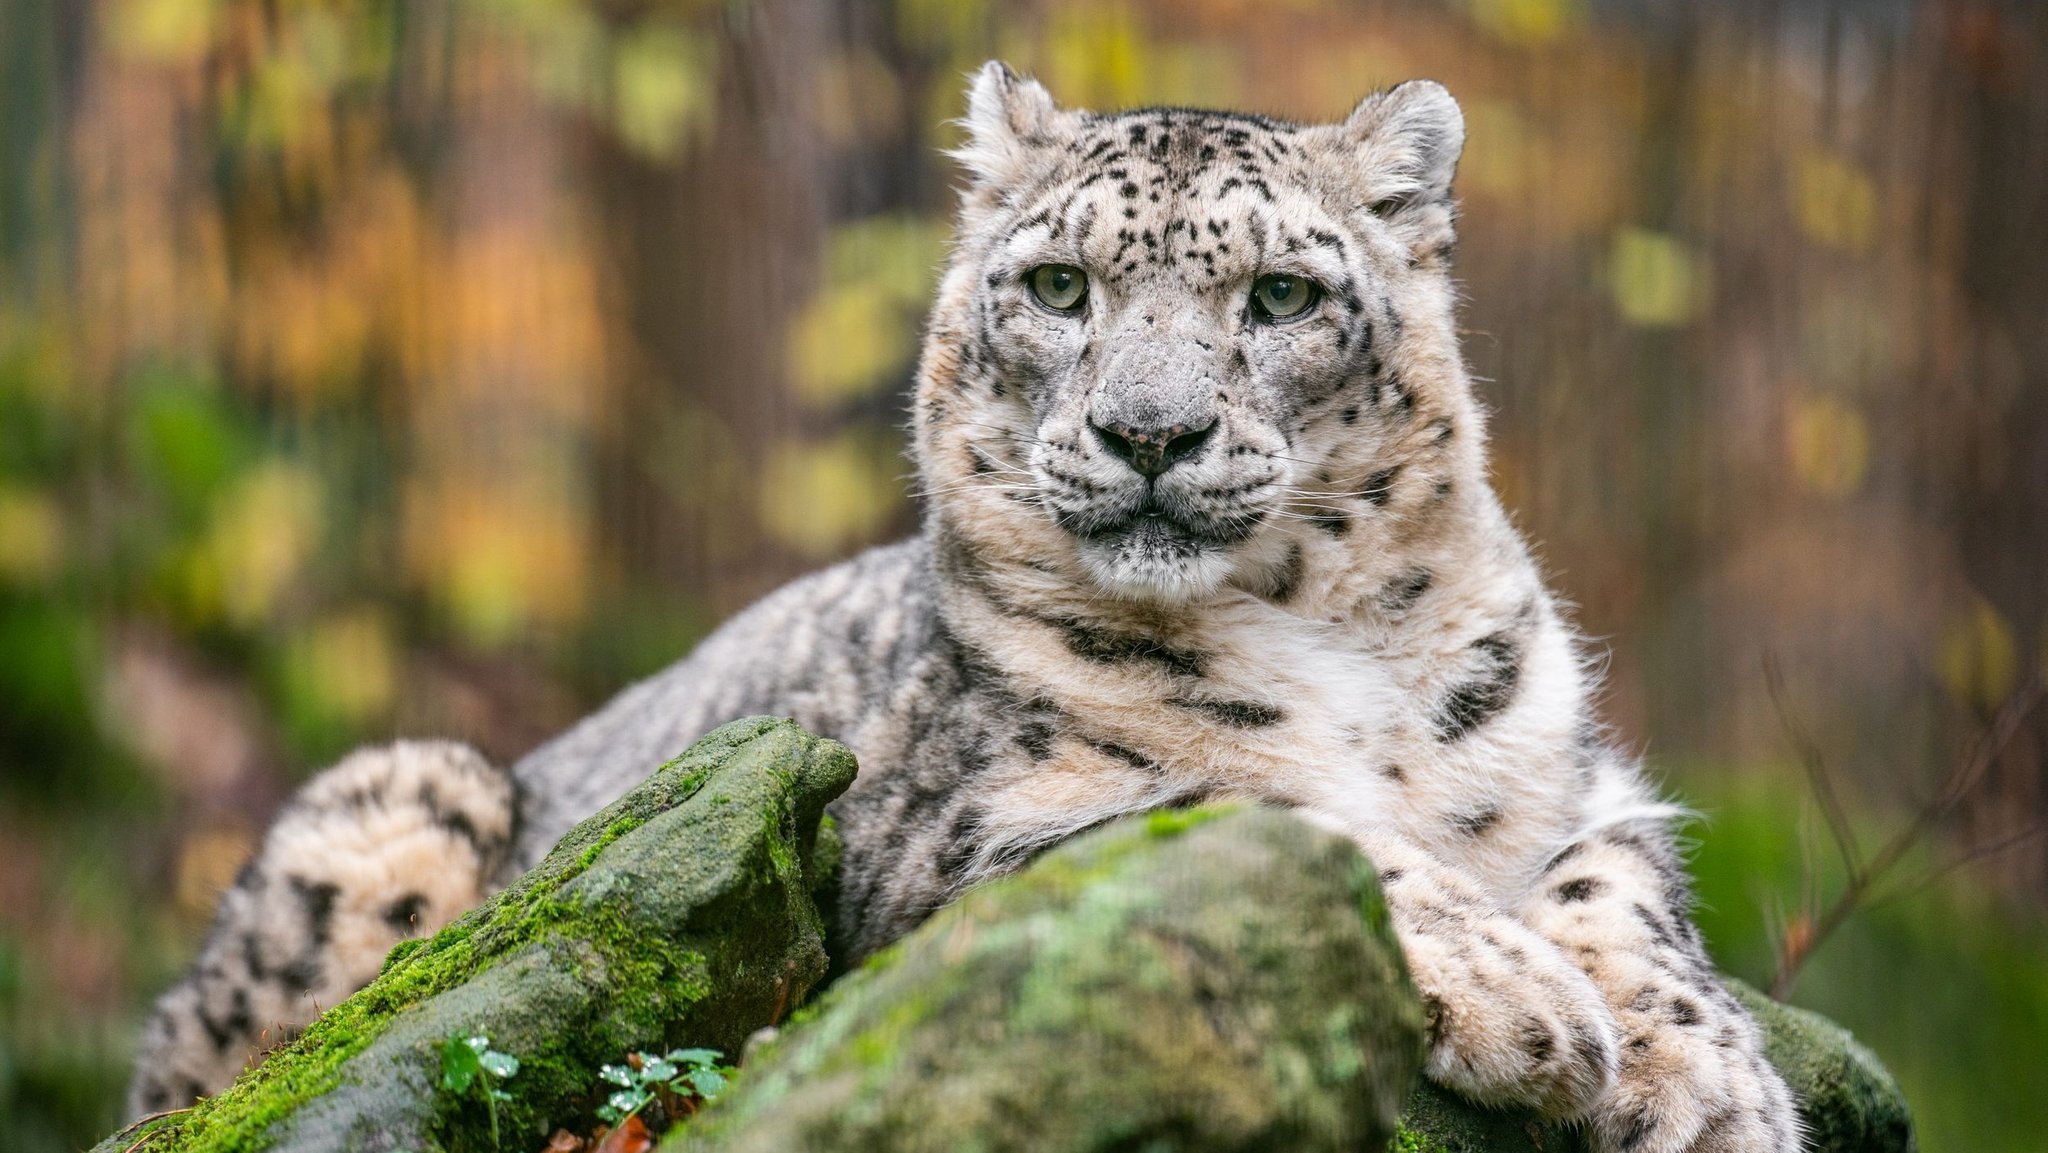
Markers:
1205,515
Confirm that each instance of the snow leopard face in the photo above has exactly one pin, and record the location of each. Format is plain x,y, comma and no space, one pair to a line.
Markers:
1181,336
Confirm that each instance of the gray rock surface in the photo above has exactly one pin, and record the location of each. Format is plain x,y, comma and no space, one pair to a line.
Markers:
1190,981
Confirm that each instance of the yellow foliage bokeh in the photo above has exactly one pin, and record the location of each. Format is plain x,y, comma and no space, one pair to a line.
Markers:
264,532
1829,444
1835,202
1979,657
347,663
821,498
664,88
499,558
31,537
859,333
1657,280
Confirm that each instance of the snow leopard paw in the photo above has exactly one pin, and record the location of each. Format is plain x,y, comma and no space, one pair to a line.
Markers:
1693,1080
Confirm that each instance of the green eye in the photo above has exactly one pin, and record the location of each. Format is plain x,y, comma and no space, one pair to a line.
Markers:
1283,297
1060,286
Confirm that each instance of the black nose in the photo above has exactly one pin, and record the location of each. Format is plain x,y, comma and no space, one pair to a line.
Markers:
1152,451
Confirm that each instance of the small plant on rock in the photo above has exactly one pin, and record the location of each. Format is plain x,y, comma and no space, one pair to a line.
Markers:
682,1079
470,1064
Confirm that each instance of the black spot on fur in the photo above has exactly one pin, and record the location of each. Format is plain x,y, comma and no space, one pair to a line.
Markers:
1477,822
1288,581
1131,757
1106,647
1586,1045
404,913
454,820
1334,523
1537,1041
1485,695
1635,1129
252,957
1563,855
1659,931
1379,485
1403,591
1236,714
316,901
1035,738
961,844
236,1025
1578,890
1684,1012
1394,773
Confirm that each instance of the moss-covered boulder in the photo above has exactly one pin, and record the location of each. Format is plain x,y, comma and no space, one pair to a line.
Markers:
1851,1105
1184,981
681,915
1167,983
1849,1100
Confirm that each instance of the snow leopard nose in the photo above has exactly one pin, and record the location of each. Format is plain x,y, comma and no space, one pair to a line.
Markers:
1151,451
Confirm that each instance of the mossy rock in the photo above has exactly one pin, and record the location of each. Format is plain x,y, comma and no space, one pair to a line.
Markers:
680,915
1185,981
1136,988
1849,1101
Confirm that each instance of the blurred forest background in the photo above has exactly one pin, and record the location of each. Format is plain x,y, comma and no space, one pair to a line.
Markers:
379,367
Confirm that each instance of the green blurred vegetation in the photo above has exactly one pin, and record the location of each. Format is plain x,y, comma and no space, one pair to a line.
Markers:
375,367
1949,983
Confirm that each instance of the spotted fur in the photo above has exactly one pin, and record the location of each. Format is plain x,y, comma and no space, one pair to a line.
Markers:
1175,551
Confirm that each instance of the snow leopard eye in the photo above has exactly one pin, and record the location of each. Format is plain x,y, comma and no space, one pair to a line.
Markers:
1282,297
1059,286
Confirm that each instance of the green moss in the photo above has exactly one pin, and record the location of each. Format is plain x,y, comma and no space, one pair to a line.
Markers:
1174,822
612,832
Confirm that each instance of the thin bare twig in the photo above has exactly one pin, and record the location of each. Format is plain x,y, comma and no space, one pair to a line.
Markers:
1905,889
1864,875
1816,766
146,1138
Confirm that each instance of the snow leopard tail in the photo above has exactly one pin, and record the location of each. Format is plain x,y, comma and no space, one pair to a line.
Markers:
393,842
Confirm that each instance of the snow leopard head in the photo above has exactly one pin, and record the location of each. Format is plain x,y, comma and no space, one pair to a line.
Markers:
1170,342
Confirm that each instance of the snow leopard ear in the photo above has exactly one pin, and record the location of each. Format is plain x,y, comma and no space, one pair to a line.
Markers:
1007,117
1407,141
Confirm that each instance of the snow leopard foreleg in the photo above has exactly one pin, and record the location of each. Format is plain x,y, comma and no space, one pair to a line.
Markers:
1510,1019
392,842
1693,1076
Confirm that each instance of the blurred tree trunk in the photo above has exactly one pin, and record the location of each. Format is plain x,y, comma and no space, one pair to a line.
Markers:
1997,489
713,252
